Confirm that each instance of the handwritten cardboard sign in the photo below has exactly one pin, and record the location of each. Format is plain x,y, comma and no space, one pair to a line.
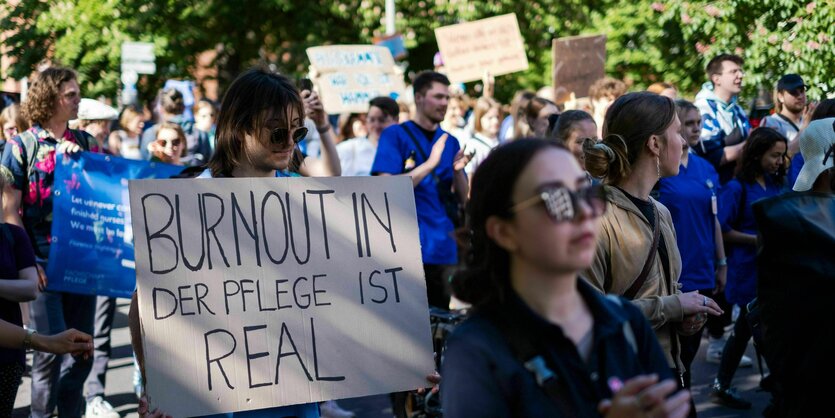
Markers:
349,76
257,293
493,44
578,61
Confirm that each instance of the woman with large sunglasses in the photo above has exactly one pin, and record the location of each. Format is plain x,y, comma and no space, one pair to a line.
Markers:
541,342
637,256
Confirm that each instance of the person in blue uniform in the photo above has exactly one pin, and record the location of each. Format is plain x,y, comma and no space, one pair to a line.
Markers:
692,198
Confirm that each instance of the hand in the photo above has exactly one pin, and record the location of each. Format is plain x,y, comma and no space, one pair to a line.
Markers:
437,151
461,160
70,341
313,108
693,302
807,114
721,279
488,82
68,147
642,396
691,324
435,380
42,280
143,410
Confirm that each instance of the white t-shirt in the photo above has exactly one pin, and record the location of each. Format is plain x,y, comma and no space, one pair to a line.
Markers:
481,146
781,125
356,156
129,147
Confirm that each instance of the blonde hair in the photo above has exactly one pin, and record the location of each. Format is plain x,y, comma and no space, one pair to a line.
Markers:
482,106
12,113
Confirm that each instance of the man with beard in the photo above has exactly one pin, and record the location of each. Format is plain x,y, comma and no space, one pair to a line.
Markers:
724,124
419,148
792,113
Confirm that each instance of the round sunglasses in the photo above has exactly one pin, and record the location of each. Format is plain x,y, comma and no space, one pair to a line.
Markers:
279,135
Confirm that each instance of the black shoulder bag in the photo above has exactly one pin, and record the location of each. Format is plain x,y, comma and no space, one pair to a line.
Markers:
448,198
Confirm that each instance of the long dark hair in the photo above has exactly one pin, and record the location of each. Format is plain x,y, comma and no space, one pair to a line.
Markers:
243,111
629,123
485,276
758,143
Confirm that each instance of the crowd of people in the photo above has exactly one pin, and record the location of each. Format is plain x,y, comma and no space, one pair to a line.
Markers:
592,242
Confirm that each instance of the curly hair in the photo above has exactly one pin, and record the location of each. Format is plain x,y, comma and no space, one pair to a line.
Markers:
44,93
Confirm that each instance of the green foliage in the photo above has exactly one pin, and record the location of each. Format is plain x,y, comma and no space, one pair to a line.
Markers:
669,40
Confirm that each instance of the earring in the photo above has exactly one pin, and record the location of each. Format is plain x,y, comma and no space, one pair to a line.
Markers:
658,166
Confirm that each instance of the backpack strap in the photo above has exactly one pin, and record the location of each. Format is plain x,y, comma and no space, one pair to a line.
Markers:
653,250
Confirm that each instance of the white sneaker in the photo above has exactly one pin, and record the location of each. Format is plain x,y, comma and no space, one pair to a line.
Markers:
714,353
100,408
330,409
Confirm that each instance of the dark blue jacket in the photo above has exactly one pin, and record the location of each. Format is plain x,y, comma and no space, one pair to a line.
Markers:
483,378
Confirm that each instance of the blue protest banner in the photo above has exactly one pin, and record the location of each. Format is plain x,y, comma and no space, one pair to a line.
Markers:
92,238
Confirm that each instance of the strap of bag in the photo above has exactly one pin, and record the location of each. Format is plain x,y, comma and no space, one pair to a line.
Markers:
653,250
420,149
781,116
530,356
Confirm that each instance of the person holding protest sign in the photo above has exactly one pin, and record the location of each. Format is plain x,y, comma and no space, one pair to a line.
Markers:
271,111
433,159
637,256
543,342
29,159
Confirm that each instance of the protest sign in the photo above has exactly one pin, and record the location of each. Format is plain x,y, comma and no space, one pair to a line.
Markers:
493,44
349,76
264,292
92,237
394,43
578,61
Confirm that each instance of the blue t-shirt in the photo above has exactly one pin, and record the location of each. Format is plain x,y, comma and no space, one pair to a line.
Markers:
742,269
435,227
794,170
688,197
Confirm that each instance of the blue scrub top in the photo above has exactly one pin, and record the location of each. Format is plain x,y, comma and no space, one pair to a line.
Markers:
688,197
435,227
794,170
742,269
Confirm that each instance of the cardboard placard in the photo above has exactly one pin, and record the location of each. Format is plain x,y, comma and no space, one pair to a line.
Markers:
349,76
257,293
578,61
493,44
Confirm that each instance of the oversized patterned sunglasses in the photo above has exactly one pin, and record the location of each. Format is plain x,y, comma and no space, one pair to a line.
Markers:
563,204
279,135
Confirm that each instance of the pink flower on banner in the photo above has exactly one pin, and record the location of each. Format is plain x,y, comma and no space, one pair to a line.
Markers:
813,45
73,183
772,39
658,7
810,7
686,19
787,46
712,10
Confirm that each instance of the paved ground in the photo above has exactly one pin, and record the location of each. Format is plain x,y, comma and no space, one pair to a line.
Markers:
120,391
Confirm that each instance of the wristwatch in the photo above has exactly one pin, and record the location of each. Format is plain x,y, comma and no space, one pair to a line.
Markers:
722,262
27,340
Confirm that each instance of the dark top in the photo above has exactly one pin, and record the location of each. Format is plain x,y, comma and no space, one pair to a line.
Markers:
483,378
13,258
648,209
796,282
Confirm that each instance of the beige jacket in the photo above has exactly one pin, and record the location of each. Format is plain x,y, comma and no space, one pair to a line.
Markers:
622,248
